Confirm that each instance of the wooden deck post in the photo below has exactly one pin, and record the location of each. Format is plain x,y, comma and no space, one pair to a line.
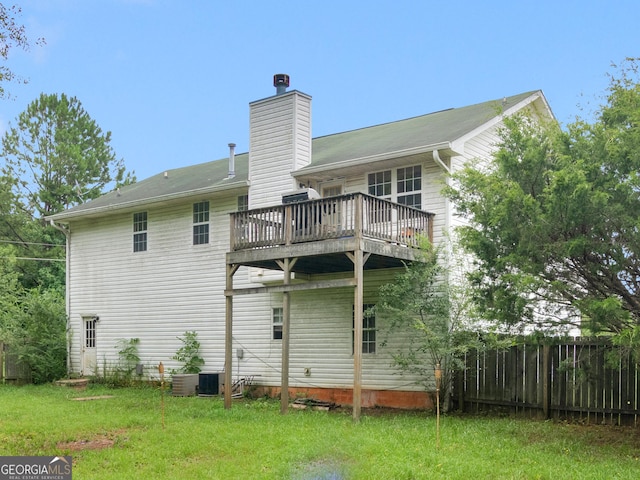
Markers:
357,335
228,337
358,267
286,266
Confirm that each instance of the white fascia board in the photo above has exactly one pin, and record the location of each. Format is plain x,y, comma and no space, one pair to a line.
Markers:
63,217
352,162
498,118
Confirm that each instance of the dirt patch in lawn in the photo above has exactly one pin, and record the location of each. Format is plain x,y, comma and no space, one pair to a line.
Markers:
97,397
95,442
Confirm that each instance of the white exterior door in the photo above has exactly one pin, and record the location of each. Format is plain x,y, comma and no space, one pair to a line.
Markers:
89,356
332,214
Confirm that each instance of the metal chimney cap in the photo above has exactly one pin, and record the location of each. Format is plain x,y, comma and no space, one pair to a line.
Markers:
281,82
281,79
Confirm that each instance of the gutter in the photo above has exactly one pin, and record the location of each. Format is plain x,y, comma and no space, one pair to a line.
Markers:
143,201
351,162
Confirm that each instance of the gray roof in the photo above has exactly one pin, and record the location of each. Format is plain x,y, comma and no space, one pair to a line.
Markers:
432,129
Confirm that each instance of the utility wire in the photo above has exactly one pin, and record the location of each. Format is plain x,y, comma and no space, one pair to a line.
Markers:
37,258
33,243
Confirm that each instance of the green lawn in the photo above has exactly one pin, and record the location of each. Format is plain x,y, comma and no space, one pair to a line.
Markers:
252,440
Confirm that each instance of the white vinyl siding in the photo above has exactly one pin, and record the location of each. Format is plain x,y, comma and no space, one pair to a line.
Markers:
279,143
157,296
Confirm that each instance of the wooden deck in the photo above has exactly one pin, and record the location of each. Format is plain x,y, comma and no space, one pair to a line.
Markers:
319,232
347,234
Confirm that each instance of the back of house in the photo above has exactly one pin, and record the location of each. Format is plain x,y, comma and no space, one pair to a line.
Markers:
271,235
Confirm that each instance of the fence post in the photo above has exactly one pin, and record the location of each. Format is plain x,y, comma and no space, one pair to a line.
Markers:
546,379
459,384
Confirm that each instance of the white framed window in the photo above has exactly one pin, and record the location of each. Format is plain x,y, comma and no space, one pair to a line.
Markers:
409,186
243,203
140,232
277,315
368,329
402,185
379,184
201,223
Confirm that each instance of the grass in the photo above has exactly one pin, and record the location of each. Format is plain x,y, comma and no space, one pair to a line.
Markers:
252,440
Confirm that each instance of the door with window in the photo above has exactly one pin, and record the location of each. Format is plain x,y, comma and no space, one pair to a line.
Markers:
332,220
89,355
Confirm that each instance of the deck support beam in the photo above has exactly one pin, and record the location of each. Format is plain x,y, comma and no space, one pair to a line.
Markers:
286,265
228,337
357,335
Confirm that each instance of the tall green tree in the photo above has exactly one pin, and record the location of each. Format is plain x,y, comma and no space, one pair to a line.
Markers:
554,219
60,156
54,158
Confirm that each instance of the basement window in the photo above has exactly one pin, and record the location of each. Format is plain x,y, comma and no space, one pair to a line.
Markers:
277,316
140,232
201,223
368,329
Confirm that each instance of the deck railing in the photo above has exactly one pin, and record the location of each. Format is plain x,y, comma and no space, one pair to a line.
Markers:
355,214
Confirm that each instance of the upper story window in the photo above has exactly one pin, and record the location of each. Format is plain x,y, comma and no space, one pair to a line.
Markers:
410,186
201,223
243,203
140,231
403,185
380,184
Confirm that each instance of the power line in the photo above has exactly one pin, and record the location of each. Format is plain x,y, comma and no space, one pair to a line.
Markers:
15,242
38,258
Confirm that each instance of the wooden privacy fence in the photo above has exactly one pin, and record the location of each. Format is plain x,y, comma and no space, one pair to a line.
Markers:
571,379
12,370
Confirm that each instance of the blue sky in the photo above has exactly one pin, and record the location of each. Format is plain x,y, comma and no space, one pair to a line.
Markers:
172,80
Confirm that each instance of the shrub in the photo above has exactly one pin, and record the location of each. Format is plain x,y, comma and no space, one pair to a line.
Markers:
189,353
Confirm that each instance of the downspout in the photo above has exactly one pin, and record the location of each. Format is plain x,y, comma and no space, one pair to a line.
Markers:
67,277
447,205
436,157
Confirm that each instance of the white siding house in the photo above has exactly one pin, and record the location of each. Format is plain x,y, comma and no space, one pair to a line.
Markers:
197,248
